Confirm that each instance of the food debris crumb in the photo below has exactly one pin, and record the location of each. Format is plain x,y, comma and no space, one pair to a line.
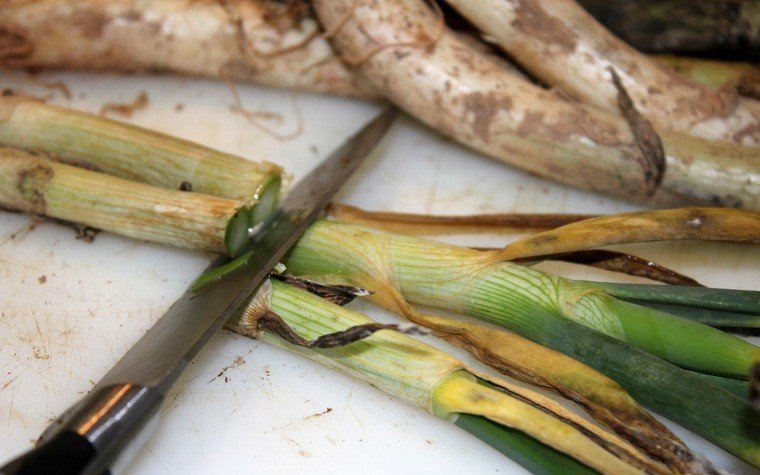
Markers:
319,414
238,361
42,279
126,110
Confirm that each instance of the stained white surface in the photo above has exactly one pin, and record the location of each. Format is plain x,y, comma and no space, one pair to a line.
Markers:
70,309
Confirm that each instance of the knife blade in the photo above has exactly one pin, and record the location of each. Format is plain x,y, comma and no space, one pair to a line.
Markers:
94,435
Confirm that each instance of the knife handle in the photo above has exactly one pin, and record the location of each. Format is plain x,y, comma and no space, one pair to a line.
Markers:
66,453
96,436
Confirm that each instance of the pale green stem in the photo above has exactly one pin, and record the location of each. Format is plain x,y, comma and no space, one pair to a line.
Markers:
521,298
130,152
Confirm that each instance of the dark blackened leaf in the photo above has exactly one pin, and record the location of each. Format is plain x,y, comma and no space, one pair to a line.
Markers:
652,159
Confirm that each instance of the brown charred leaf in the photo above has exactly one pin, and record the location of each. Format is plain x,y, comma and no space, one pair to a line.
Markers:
626,264
613,261
652,159
337,294
273,323
439,223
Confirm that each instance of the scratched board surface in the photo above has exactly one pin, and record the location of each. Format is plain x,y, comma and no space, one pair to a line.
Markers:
71,308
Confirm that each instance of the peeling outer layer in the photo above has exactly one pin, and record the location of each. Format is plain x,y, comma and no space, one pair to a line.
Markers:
259,317
709,224
418,224
381,360
473,98
600,396
131,152
649,142
415,372
258,41
273,323
337,294
541,417
620,262
564,46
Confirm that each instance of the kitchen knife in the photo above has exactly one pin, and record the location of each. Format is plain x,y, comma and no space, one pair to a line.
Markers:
104,430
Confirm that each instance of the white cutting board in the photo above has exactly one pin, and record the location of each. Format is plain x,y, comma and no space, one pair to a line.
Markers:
70,309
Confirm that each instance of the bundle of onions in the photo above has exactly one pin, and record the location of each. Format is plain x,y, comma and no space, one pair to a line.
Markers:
500,413
621,348
403,52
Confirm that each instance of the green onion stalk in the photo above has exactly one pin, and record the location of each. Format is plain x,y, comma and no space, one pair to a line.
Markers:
479,284
498,412
647,351
230,193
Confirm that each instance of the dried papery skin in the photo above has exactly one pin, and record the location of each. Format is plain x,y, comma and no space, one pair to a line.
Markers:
650,145
421,224
415,373
471,97
601,397
462,393
258,41
561,44
711,224
623,262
